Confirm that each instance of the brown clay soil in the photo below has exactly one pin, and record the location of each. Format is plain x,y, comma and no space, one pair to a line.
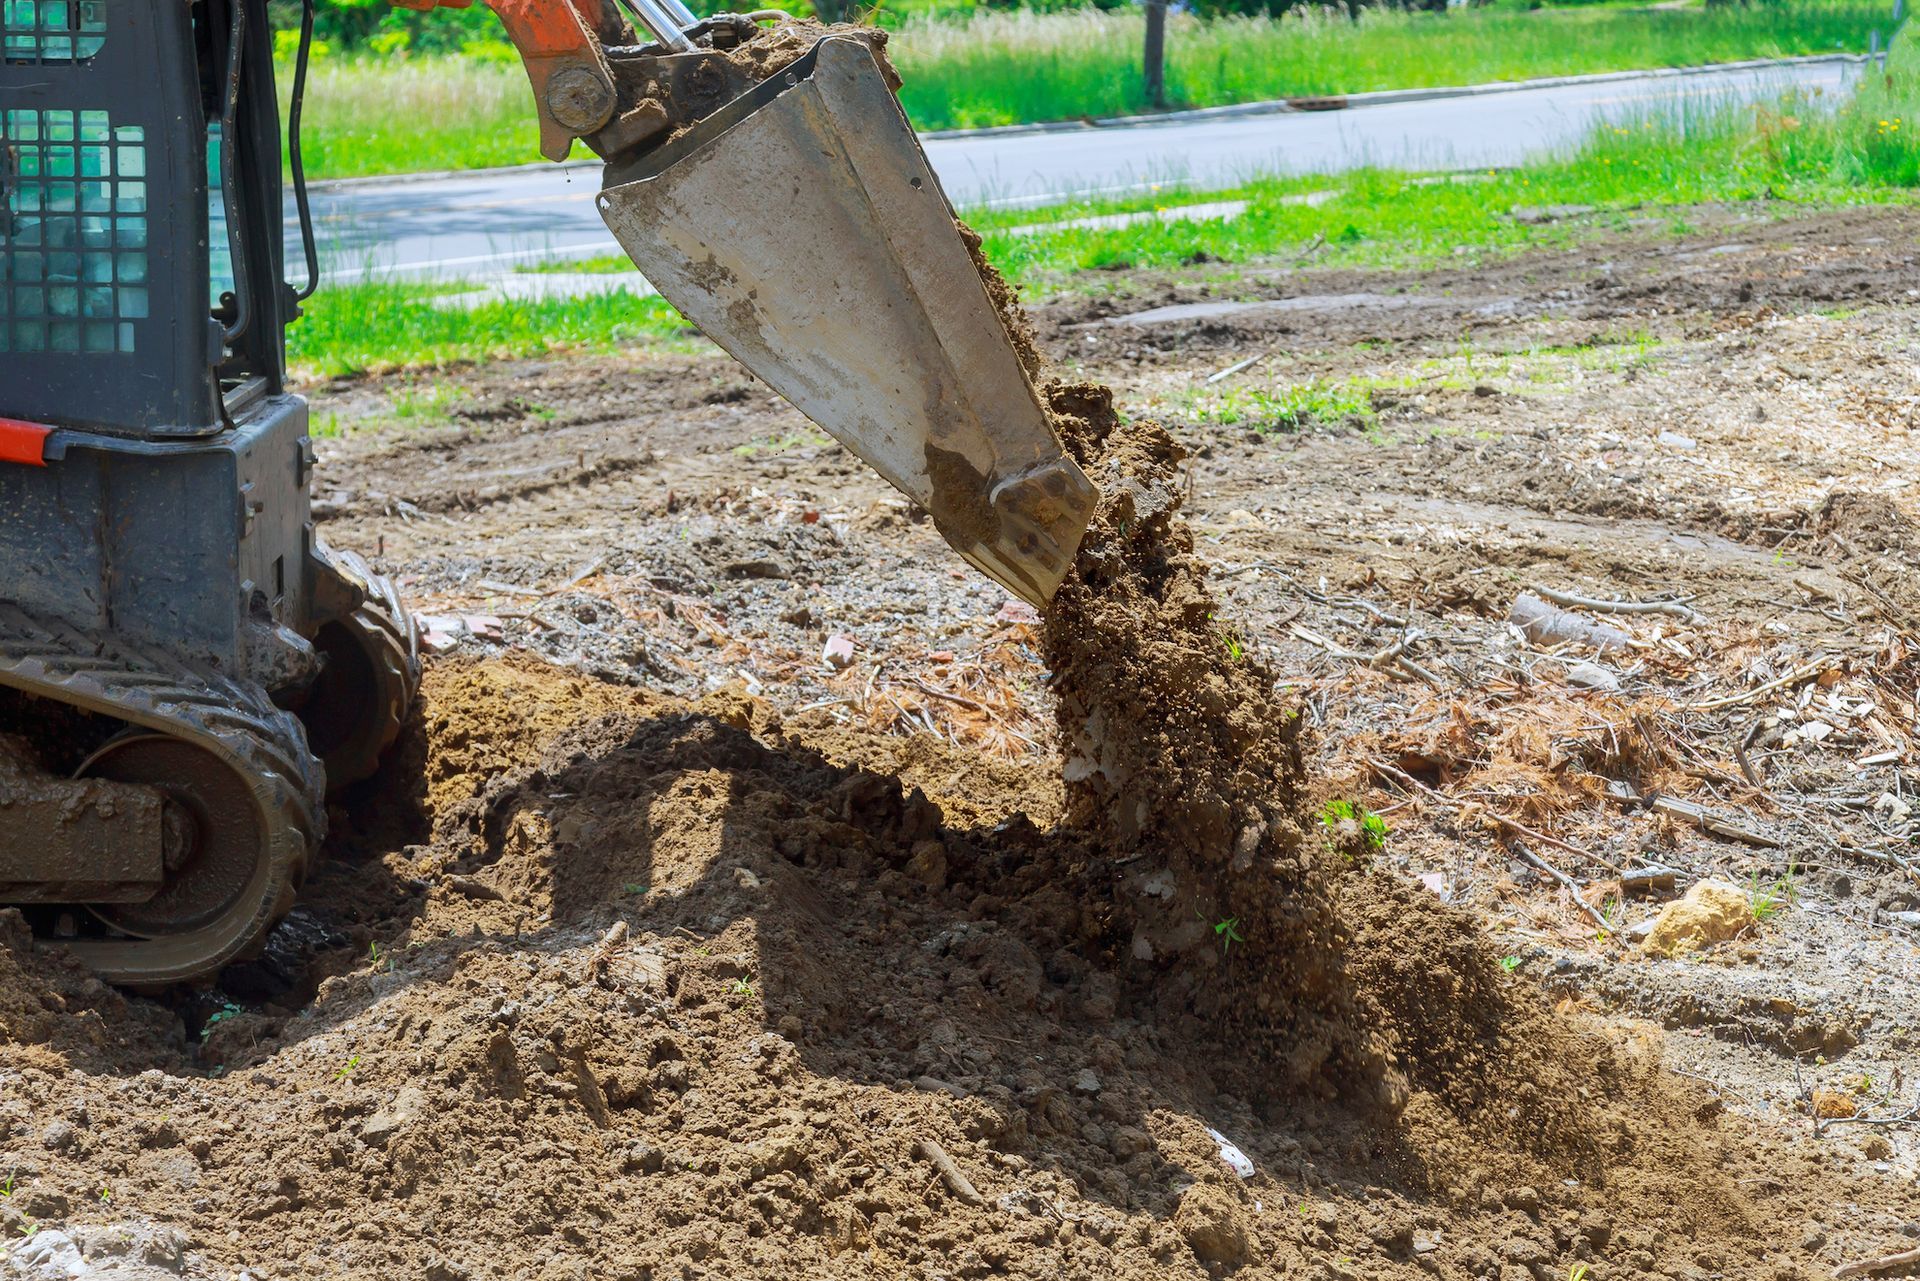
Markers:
667,949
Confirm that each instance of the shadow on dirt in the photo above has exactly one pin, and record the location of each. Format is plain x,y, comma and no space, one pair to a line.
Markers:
885,947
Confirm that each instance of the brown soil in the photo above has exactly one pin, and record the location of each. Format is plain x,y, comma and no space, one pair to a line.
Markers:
682,997
626,971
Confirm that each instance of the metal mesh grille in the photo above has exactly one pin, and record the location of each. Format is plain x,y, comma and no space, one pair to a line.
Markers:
73,243
42,31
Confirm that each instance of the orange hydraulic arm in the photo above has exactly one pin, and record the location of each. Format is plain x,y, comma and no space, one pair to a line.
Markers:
560,42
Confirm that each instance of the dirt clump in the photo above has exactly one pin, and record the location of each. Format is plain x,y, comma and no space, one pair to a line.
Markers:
776,48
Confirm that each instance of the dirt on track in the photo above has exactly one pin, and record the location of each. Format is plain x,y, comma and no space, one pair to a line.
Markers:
628,971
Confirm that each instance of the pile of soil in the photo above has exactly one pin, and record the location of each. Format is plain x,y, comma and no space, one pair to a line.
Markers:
676,990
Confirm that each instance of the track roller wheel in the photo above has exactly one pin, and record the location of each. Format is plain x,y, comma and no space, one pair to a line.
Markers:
232,864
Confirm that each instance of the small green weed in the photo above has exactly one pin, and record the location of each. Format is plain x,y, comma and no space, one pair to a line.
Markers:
1510,963
1373,828
740,987
636,889
782,444
428,406
1228,932
1289,407
1768,899
347,1069
226,1011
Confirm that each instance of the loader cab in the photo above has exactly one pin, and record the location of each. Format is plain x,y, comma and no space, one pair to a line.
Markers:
140,226
153,466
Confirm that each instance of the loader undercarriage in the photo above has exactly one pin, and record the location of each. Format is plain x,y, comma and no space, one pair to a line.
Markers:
239,797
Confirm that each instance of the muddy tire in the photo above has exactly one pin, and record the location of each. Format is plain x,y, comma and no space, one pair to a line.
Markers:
360,700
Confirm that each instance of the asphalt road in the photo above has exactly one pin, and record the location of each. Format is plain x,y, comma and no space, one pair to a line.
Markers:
484,224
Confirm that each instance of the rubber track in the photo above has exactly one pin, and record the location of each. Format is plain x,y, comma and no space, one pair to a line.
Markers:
393,638
235,720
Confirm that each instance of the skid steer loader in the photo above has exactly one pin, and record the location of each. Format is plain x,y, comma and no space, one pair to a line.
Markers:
186,669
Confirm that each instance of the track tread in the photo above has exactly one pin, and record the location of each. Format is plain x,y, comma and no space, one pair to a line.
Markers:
235,720
390,636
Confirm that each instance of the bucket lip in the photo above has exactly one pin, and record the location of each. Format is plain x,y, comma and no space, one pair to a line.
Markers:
651,164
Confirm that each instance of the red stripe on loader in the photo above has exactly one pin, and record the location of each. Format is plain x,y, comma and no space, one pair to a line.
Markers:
23,442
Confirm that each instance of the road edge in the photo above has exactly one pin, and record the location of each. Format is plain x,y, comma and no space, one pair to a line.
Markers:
1387,97
1271,106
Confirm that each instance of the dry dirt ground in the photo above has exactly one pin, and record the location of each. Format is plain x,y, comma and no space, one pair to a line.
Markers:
668,946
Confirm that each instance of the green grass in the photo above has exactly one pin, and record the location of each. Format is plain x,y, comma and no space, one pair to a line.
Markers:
352,329
1643,176
1001,67
1284,406
598,265
1635,175
391,113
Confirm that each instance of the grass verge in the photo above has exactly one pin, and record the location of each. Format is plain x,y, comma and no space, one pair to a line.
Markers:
1796,151
1001,67
381,326
383,115
1792,154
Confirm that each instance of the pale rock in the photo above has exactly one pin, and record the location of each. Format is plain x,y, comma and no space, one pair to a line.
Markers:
1711,912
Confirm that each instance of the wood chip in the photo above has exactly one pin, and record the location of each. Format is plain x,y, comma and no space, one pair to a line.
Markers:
1885,1263
958,1182
1707,821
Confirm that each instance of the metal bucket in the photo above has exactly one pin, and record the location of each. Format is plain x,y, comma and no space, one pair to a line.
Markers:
801,228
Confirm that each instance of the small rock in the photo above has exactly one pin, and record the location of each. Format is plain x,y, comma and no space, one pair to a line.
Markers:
1524,1199
798,616
642,1158
1675,440
47,1255
1017,611
409,1104
837,653
1832,1105
1876,1148
58,1136
1593,676
1209,1220
1128,1140
764,567
1088,1082
1711,912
